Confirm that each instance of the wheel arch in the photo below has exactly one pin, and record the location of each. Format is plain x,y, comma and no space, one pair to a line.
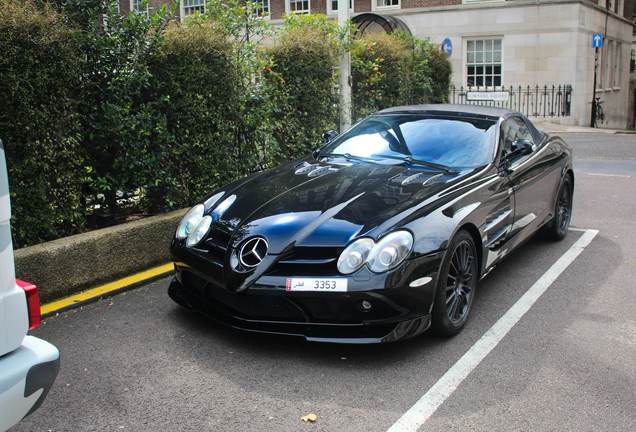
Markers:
476,236
570,171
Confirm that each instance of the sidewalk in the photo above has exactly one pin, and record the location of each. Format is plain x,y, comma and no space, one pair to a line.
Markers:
553,128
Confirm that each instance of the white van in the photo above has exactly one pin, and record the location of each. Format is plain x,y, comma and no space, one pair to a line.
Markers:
28,365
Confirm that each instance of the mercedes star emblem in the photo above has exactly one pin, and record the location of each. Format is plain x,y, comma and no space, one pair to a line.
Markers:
253,252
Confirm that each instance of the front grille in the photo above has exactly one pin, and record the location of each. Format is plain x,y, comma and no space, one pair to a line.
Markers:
250,306
216,245
307,261
312,255
193,280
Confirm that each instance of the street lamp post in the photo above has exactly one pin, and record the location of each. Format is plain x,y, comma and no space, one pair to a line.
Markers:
345,71
594,91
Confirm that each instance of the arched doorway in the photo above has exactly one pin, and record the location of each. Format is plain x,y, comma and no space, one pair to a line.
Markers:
374,23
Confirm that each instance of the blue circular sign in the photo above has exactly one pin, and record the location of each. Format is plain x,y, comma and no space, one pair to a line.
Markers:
447,47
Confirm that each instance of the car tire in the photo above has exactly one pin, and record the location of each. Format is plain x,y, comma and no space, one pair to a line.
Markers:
562,212
456,286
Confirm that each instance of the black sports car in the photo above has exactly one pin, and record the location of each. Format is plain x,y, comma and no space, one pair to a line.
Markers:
381,233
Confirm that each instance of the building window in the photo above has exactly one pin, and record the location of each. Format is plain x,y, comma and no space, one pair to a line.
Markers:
333,5
386,4
135,6
483,62
614,6
262,8
605,77
600,65
617,66
299,6
189,7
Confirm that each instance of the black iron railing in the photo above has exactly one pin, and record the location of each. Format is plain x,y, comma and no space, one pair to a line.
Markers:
535,101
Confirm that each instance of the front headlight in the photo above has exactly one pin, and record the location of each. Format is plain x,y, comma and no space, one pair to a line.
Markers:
390,251
189,221
355,255
382,256
199,231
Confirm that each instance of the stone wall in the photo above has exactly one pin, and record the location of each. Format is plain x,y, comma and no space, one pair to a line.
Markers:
73,264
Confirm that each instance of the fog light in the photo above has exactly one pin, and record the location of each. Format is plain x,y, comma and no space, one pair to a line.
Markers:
364,305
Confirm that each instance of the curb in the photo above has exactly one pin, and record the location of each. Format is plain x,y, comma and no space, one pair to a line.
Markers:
71,265
108,290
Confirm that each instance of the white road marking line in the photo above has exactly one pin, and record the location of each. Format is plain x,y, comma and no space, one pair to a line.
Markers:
609,175
436,395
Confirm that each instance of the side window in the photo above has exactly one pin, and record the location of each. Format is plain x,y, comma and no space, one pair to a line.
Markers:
515,129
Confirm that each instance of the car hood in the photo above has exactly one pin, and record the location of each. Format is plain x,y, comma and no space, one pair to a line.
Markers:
309,203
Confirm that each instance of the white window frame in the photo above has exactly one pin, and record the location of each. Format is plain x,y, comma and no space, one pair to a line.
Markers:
619,7
608,47
183,7
481,1
600,67
261,12
616,6
466,64
376,7
332,11
134,5
616,76
288,7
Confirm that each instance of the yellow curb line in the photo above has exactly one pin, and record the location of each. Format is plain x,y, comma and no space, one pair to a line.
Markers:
104,289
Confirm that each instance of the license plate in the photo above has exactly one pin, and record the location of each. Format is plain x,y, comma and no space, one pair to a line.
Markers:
317,284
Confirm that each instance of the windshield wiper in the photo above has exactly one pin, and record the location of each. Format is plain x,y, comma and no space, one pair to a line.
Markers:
410,161
349,157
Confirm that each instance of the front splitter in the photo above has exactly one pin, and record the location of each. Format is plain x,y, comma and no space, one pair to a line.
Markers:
363,333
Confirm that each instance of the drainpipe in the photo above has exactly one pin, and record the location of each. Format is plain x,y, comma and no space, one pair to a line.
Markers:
536,58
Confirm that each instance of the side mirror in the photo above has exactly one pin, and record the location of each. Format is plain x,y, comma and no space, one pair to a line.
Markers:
517,149
329,136
521,148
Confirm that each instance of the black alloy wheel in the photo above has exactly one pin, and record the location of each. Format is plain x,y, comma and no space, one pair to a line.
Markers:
456,286
563,210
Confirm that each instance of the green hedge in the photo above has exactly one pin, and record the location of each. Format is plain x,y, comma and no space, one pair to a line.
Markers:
123,126
195,71
303,79
161,115
397,69
440,76
379,66
40,67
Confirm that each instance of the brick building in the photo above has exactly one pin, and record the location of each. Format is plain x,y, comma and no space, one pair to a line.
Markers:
506,43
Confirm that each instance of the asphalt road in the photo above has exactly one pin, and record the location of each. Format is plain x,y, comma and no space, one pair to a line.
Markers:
606,154
138,362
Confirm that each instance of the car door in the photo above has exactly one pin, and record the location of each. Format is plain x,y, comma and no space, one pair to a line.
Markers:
532,176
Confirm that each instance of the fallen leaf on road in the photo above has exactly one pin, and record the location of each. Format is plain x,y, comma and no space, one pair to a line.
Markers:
309,418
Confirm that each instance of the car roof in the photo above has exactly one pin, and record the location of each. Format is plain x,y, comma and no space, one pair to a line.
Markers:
454,109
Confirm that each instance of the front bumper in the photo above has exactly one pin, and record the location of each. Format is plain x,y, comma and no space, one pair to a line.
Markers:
396,313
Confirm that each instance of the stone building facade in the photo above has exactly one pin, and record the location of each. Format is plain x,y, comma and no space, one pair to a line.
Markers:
507,42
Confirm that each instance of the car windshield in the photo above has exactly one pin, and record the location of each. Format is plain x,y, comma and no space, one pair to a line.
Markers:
440,140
